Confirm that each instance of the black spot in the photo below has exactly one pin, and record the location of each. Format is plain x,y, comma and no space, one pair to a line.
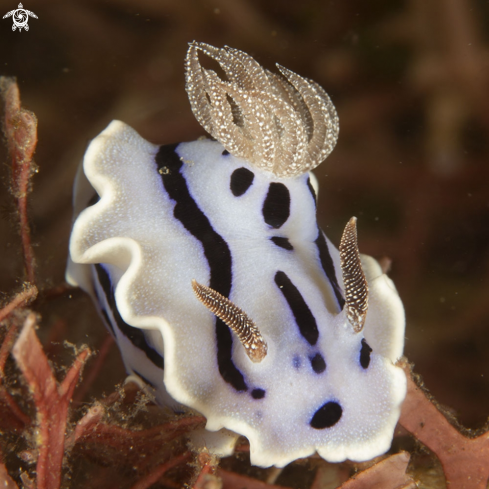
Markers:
225,152
318,364
258,393
276,208
282,242
365,354
311,189
303,315
326,416
135,335
241,180
328,267
229,372
216,252
296,362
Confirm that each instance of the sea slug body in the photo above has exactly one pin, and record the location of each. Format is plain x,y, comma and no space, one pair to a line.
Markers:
221,290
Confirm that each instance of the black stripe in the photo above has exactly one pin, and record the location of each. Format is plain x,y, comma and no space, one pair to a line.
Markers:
311,189
328,267
135,335
303,315
144,379
215,248
107,320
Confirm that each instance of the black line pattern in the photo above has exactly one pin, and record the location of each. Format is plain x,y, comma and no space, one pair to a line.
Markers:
303,315
144,379
135,335
215,248
328,267
311,189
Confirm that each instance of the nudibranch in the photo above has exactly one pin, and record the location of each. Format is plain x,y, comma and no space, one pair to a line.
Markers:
208,267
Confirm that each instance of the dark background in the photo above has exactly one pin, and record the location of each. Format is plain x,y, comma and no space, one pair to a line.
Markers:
410,82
